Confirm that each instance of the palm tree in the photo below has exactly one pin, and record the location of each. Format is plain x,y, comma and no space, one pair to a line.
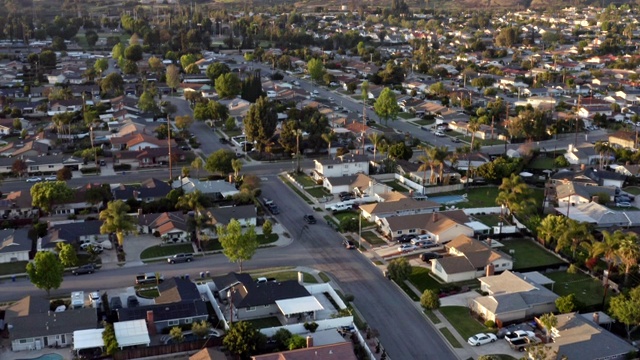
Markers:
603,149
427,163
549,321
442,153
548,228
376,139
197,165
473,126
191,201
329,138
116,220
628,253
236,165
515,195
572,235
608,248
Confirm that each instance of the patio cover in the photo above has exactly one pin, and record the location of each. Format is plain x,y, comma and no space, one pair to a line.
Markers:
477,226
299,305
87,339
131,333
538,278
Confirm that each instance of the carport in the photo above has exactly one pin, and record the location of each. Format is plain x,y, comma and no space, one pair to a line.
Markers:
538,278
132,333
299,306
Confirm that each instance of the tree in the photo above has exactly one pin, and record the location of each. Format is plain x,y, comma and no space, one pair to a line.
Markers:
109,338
228,85
400,151
67,254
386,106
430,300
628,253
19,167
117,51
133,53
608,248
376,139
329,138
220,161
626,309
197,165
267,228
566,304
260,123
183,122
399,269
296,342
45,195
176,334
216,69
200,328
147,103
549,321
236,164
64,174
46,271
572,235
315,69
243,340
548,228
173,77
155,65
516,195
101,65
116,220
191,201
237,245
112,84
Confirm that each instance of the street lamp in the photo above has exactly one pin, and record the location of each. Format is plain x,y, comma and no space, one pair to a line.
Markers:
501,219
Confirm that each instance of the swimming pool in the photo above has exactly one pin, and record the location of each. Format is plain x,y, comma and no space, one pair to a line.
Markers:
448,199
51,356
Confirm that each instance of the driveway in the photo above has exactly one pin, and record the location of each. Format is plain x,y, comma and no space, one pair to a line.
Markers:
462,299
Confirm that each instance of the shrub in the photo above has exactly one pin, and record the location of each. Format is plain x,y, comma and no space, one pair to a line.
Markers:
89,170
430,300
490,324
121,167
573,269
311,326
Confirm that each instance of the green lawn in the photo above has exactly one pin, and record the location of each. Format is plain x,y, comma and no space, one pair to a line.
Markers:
489,220
148,293
214,244
304,180
373,238
462,321
395,185
166,250
350,214
233,133
635,190
406,116
542,163
586,289
432,317
476,197
264,323
528,254
18,267
450,338
421,280
296,190
317,192
424,122
412,294
286,276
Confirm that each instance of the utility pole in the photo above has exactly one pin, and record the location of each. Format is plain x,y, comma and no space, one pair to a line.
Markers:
298,133
575,142
169,143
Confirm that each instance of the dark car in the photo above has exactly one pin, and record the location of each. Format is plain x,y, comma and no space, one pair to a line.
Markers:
309,219
84,269
349,244
405,238
429,256
115,303
224,141
132,301
274,209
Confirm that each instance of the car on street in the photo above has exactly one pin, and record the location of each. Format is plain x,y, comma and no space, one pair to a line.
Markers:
315,92
224,140
481,339
439,133
296,83
309,219
34,179
51,178
84,269
349,244
180,258
148,278
132,301
275,210
406,248
428,256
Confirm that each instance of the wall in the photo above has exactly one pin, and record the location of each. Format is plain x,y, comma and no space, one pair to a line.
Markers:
485,210
322,325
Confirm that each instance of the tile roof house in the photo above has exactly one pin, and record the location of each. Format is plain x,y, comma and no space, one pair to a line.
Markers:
148,157
32,325
513,297
17,204
342,351
246,215
149,190
15,245
470,258
172,226
402,207
442,226
208,354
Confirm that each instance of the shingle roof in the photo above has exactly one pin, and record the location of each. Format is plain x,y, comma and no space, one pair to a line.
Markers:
254,294
176,290
406,204
223,215
161,312
231,278
14,240
342,351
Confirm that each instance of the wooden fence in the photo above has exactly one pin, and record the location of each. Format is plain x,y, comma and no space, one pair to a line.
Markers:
157,350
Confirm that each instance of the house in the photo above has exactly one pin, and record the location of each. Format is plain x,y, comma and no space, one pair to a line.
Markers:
345,165
578,193
148,157
17,205
599,215
179,303
402,207
246,215
342,351
45,164
626,170
149,190
360,184
442,226
466,161
578,337
514,297
470,259
75,233
208,354
590,177
624,139
219,189
33,326
584,155
171,226
15,245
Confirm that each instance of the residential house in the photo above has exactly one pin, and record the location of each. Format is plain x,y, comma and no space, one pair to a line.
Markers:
466,161
590,177
361,185
624,139
219,189
586,155
15,245
345,165
246,215
401,207
18,205
171,226
75,233
77,203
577,193
179,303
25,149
599,215
33,326
626,170
342,351
469,259
579,336
6,126
41,164
149,190
513,296
442,226
148,157
208,354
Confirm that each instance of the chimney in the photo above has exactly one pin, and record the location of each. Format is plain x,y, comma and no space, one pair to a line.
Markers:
435,217
596,317
582,167
139,211
151,325
595,198
231,178
489,270
309,341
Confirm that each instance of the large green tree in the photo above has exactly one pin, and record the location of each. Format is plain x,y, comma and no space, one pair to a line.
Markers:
399,269
626,309
46,195
112,84
260,123
45,272
116,219
67,254
228,85
220,161
237,245
216,69
173,77
243,340
316,69
516,195
386,106
101,65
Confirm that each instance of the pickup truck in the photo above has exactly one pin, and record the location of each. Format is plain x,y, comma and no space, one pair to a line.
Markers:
339,207
523,343
178,258
519,334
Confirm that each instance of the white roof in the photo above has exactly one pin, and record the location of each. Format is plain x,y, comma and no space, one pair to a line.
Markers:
130,333
477,226
87,339
299,305
538,278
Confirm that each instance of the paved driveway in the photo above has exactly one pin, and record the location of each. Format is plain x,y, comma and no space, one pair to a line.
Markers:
462,299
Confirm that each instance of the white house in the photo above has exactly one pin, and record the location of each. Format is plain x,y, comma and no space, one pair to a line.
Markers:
14,245
345,165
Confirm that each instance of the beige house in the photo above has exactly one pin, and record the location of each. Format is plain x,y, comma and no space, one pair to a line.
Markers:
625,139
402,207
469,259
442,226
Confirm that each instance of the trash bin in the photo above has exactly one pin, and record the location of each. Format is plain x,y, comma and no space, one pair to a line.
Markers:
13,278
207,272
186,276
201,274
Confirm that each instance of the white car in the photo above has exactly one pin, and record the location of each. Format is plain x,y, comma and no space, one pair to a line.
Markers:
519,334
296,83
94,299
481,339
623,204
315,92
51,178
439,133
34,179
407,248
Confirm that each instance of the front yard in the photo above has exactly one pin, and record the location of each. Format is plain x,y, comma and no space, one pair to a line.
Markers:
166,250
461,319
373,238
421,280
527,254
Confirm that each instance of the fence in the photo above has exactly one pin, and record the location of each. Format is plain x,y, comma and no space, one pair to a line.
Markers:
158,350
485,210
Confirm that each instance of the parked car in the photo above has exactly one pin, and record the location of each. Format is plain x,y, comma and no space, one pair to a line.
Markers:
34,179
94,299
96,248
274,209
519,334
309,219
345,195
406,248
405,238
148,278
179,258
623,204
84,269
115,303
439,133
349,244
224,140
522,344
481,339
428,256
189,336
132,301
51,178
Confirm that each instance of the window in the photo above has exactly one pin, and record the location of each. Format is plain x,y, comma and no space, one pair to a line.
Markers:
173,322
51,166
251,308
188,321
412,231
330,167
23,341
266,306
399,232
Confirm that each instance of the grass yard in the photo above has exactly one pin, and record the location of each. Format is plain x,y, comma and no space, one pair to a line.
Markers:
406,116
233,133
264,322
489,220
462,321
432,317
296,190
542,163
18,267
317,192
262,240
148,293
408,291
395,185
346,215
214,244
304,180
166,250
286,276
528,254
421,280
635,190
373,238
586,289
424,122
450,338
476,197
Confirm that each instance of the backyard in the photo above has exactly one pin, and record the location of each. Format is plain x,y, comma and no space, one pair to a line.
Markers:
395,185
587,290
542,163
476,197
286,276
527,254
